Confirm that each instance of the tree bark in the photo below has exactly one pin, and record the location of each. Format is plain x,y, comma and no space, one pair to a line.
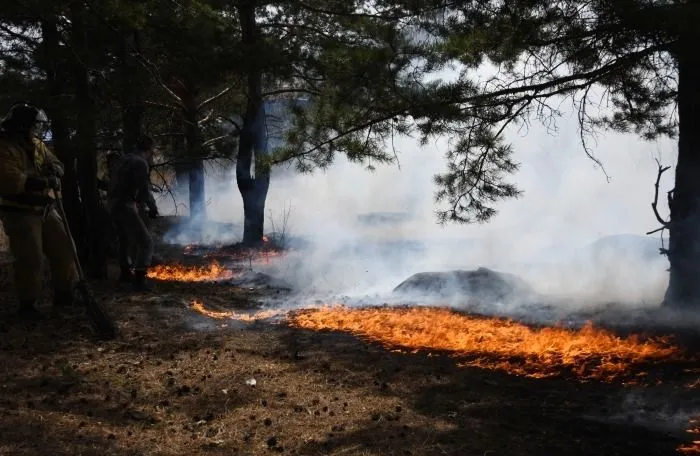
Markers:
684,229
54,63
193,151
93,251
252,177
132,98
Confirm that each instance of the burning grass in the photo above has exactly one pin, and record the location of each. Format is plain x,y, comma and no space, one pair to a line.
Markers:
231,315
181,273
498,344
692,448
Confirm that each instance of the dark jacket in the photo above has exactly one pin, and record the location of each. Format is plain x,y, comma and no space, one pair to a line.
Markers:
130,182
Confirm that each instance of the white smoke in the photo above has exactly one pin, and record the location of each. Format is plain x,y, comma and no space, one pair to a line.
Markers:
369,231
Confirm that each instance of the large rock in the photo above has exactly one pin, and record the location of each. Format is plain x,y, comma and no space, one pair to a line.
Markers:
482,284
254,279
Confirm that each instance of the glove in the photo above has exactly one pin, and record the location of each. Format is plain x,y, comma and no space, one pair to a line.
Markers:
52,169
39,184
153,213
53,182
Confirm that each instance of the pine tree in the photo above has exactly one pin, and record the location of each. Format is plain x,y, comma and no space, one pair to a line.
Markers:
639,52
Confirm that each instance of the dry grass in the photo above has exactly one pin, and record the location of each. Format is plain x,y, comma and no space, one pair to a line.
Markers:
175,384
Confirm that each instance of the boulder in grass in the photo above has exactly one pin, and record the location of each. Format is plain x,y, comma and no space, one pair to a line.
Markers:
481,284
259,280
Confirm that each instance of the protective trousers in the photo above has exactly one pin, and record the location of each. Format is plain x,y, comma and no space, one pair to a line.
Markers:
32,237
133,234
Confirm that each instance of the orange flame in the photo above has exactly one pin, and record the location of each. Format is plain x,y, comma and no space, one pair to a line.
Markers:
180,273
231,315
498,344
692,448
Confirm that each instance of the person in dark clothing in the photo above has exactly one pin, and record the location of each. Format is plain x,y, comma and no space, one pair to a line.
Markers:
128,190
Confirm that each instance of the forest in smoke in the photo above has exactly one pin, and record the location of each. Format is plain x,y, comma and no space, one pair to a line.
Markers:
575,232
518,137
384,227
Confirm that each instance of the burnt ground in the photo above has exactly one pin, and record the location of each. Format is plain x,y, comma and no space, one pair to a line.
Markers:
175,383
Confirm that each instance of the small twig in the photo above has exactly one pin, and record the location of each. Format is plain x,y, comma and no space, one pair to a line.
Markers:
167,187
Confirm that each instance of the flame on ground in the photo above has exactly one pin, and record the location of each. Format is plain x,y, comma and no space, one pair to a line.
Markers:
497,344
489,343
692,448
263,255
231,315
180,273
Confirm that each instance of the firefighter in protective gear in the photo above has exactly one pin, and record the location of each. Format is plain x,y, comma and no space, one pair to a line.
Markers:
128,191
28,174
126,251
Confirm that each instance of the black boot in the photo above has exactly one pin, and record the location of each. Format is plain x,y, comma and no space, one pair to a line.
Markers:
126,275
140,281
27,310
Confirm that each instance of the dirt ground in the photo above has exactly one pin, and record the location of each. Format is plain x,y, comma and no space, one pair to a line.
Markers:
177,383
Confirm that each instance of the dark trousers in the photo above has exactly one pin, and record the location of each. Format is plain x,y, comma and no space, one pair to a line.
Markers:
134,237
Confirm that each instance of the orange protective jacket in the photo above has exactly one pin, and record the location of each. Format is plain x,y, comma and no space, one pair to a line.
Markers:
17,162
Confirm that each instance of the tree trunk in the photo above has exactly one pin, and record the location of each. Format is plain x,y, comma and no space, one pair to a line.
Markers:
684,230
132,99
252,177
198,209
54,63
94,250
193,139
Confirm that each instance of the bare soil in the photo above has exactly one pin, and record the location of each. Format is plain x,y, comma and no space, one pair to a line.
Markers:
175,383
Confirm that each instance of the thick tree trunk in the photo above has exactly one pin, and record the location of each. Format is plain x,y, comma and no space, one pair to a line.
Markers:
193,139
55,66
684,231
94,251
253,181
198,208
252,177
132,99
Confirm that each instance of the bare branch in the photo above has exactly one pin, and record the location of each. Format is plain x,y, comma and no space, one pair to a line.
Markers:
291,90
162,105
211,141
654,204
232,122
214,98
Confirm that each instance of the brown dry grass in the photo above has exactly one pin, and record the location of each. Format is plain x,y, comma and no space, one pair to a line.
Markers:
175,384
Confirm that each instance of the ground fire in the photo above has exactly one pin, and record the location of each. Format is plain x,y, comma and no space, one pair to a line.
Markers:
498,344
180,273
229,315
692,448
588,353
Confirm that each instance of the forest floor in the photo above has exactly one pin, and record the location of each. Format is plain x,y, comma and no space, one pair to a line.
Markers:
179,383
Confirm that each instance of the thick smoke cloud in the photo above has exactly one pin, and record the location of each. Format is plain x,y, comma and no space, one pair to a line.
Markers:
573,234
